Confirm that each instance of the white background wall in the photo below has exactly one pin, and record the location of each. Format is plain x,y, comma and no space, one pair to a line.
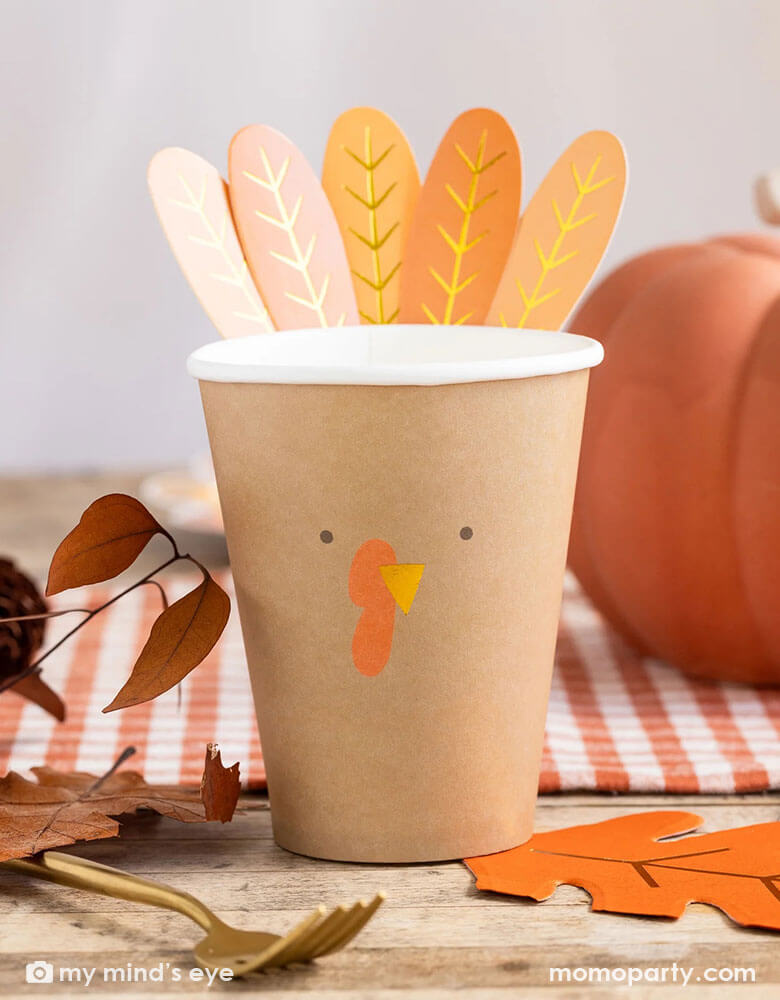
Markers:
95,320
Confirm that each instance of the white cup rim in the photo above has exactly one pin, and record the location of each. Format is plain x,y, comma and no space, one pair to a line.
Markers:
399,354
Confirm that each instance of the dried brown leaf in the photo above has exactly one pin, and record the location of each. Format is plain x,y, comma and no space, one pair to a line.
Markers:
180,639
34,688
110,536
220,786
63,808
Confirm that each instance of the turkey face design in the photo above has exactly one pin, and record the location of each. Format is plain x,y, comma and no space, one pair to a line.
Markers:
380,586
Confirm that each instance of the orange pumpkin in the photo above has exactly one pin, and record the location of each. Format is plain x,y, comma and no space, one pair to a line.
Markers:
676,531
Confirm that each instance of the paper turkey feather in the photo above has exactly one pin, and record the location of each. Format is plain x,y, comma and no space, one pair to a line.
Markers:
191,201
288,231
370,177
464,223
563,234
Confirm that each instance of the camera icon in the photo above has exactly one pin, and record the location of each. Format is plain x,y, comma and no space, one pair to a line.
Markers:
39,972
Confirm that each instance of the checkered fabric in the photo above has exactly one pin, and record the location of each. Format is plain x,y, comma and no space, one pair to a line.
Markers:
615,722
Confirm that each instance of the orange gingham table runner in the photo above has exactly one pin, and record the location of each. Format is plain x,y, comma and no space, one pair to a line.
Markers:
615,722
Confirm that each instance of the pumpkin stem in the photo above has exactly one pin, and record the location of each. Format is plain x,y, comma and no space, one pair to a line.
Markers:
767,195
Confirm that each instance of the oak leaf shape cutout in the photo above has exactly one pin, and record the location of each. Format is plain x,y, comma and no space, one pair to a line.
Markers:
181,638
63,808
220,786
112,533
627,865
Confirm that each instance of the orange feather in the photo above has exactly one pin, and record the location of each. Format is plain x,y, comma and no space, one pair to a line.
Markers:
371,181
563,234
464,223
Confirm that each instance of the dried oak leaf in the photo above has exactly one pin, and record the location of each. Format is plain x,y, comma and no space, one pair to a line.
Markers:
220,786
63,808
180,639
110,536
625,868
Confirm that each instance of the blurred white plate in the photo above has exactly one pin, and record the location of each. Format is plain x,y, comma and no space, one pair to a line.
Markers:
185,499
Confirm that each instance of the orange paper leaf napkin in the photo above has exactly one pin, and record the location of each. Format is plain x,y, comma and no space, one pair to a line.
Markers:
628,865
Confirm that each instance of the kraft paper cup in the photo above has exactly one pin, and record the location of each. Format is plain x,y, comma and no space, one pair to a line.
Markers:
397,504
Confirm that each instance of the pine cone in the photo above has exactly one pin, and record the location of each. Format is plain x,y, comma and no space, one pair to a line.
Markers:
20,641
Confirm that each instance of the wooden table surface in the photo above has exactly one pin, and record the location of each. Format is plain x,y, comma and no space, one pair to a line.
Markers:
436,936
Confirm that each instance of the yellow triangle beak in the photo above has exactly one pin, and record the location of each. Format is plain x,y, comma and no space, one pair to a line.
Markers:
402,580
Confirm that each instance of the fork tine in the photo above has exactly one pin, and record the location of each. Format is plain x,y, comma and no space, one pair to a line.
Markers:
354,919
293,942
336,931
269,957
321,934
354,928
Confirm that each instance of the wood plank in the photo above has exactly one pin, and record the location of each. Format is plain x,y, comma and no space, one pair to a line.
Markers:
494,925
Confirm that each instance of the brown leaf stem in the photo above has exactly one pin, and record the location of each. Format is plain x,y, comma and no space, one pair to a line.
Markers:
124,755
47,614
34,667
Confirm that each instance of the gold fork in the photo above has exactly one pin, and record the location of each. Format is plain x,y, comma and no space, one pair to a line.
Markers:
223,947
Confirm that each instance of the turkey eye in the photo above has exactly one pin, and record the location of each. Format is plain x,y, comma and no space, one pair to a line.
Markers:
466,533
326,536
